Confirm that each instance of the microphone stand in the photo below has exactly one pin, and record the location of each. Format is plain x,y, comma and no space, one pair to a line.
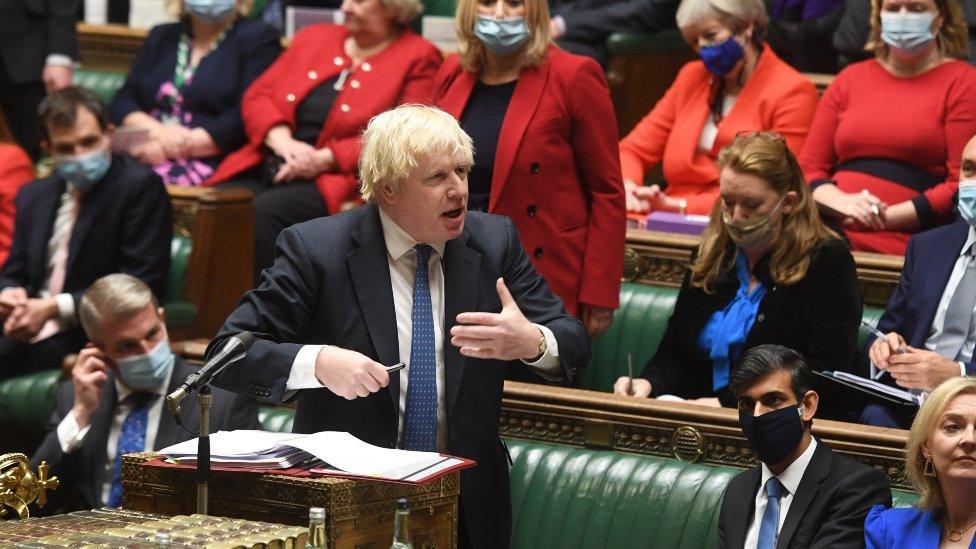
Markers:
203,449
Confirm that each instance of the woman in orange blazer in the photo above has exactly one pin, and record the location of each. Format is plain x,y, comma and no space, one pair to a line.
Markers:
304,115
545,148
739,85
15,170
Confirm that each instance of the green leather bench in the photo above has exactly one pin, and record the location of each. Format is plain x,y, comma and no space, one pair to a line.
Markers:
637,328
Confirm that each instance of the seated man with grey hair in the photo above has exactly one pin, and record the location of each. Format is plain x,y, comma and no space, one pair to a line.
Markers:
410,277
113,403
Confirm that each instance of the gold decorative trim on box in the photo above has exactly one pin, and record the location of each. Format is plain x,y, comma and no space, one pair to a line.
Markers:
19,487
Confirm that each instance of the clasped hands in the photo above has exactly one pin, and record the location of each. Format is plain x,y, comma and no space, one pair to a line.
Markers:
911,368
505,335
642,199
24,316
170,142
301,160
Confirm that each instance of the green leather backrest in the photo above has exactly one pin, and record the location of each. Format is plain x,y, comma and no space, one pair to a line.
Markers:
274,419
665,41
565,497
28,400
638,326
179,257
440,7
574,497
103,83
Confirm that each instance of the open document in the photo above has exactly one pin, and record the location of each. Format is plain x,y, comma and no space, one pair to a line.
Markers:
887,392
326,453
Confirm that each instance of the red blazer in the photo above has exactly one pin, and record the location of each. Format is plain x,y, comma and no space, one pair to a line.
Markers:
15,170
401,73
557,172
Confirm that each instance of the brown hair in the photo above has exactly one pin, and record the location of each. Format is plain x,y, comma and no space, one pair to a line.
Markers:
59,109
765,155
472,52
952,40
926,420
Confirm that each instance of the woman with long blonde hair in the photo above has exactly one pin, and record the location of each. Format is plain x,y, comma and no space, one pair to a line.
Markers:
767,271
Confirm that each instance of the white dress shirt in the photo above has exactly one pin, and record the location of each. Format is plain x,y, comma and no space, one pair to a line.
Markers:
70,436
938,323
790,478
706,140
402,261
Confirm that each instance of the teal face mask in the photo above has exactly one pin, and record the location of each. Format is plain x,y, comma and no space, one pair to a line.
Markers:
146,372
502,36
907,31
210,11
84,170
967,201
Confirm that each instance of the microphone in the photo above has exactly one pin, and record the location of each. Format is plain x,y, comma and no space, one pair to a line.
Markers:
234,350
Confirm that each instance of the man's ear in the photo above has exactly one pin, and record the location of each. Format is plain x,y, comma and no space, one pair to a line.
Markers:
810,401
385,192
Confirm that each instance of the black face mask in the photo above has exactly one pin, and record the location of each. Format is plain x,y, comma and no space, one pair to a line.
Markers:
773,435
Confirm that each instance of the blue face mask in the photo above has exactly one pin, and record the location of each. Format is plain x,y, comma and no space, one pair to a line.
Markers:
84,170
145,372
907,31
210,11
967,201
720,59
502,36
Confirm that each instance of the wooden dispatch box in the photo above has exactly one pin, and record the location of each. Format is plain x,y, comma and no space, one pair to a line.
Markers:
359,513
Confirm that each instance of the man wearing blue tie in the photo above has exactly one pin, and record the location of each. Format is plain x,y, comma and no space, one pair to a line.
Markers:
801,494
410,277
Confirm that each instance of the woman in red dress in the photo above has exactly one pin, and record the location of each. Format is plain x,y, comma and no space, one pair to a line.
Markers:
883,153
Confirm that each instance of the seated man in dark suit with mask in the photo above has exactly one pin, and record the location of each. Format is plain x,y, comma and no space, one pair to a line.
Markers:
114,402
801,494
410,277
97,214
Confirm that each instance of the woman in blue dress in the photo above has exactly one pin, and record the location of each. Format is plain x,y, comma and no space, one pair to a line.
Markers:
940,460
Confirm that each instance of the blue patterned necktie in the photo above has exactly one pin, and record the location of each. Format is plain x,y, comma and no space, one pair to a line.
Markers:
770,519
132,438
420,416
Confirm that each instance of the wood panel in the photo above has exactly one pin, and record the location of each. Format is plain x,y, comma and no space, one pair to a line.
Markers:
660,259
221,224
109,47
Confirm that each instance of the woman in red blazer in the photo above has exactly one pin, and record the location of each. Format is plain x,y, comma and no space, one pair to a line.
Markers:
304,115
545,141
738,85
15,170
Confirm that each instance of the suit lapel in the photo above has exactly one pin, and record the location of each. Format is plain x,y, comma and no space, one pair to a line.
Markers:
939,270
101,423
47,210
816,472
370,272
457,95
168,432
461,270
88,210
741,513
525,100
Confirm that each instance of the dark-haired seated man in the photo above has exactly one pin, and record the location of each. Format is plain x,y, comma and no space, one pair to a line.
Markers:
801,494
114,402
98,213
929,318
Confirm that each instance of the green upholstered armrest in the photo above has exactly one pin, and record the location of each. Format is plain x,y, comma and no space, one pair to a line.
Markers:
638,326
901,498
276,419
103,83
666,41
179,313
28,400
872,315
576,497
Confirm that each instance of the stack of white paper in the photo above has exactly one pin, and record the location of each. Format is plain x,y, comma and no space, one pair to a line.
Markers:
330,451
880,387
